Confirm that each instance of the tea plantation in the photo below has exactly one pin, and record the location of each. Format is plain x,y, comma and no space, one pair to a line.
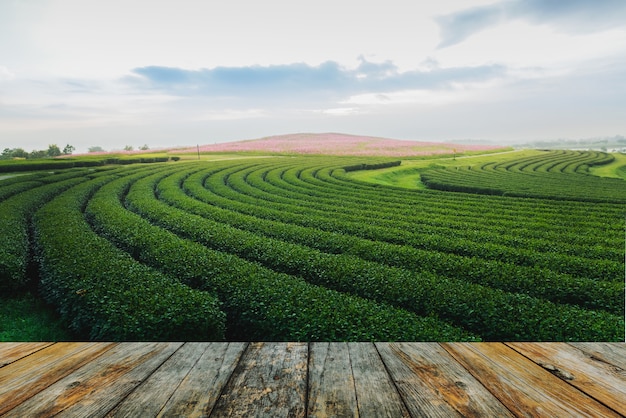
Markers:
294,249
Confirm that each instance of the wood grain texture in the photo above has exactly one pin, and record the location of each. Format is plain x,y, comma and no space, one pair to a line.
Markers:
600,379
524,387
10,352
216,379
20,381
331,384
93,390
376,393
150,397
612,353
270,380
201,388
433,384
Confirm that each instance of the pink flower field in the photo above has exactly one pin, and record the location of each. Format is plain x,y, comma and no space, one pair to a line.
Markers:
339,144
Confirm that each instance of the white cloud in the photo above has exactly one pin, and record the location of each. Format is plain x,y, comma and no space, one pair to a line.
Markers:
341,111
157,69
5,74
231,114
522,44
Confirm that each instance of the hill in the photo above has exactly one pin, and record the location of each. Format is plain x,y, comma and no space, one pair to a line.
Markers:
340,144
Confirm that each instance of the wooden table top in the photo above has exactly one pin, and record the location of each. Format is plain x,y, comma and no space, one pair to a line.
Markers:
312,379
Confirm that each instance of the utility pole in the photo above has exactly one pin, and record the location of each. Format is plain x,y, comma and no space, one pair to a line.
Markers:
198,145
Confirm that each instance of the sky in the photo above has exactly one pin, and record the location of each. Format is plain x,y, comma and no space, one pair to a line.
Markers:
169,73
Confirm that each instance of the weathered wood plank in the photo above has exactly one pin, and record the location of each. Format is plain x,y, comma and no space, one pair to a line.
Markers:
433,384
93,390
331,385
377,395
345,379
200,389
150,397
602,381
612,353
10,352
270,380
23,379
523,386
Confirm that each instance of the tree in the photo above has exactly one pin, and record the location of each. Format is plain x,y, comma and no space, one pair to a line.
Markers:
9,153
68,150
96,149
38,154
128,148
144,147
53,150
19,153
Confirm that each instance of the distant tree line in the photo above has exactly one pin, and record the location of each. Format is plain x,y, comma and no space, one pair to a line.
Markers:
144,147
52,151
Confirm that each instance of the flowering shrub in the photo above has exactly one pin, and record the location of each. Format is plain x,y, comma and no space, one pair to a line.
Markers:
339,144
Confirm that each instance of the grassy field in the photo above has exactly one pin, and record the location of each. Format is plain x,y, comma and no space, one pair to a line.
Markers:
616,169
25,317
408,174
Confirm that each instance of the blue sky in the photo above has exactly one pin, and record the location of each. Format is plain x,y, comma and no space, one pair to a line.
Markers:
168,73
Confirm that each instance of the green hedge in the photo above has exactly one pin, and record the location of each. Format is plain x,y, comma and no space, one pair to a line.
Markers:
541,283
394,227
493,314
261,304
103,293
15,245
559,175
375,166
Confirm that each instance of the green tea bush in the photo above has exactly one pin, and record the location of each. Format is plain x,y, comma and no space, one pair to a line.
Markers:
397,230
542,283
261,304
418,292
15,215
105,294
296,249
559,175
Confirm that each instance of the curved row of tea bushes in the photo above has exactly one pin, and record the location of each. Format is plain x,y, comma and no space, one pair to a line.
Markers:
561,161
596,228
321,187
12,166
102,293
261,304
582,219
432,213
396,231
560,216
556,175
579,164
15,215
493,314
372,166
533,281
266,186
10,179
555,162
9,190
545,186
305,216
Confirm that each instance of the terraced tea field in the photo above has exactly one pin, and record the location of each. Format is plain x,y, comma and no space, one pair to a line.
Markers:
294,249
548,175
